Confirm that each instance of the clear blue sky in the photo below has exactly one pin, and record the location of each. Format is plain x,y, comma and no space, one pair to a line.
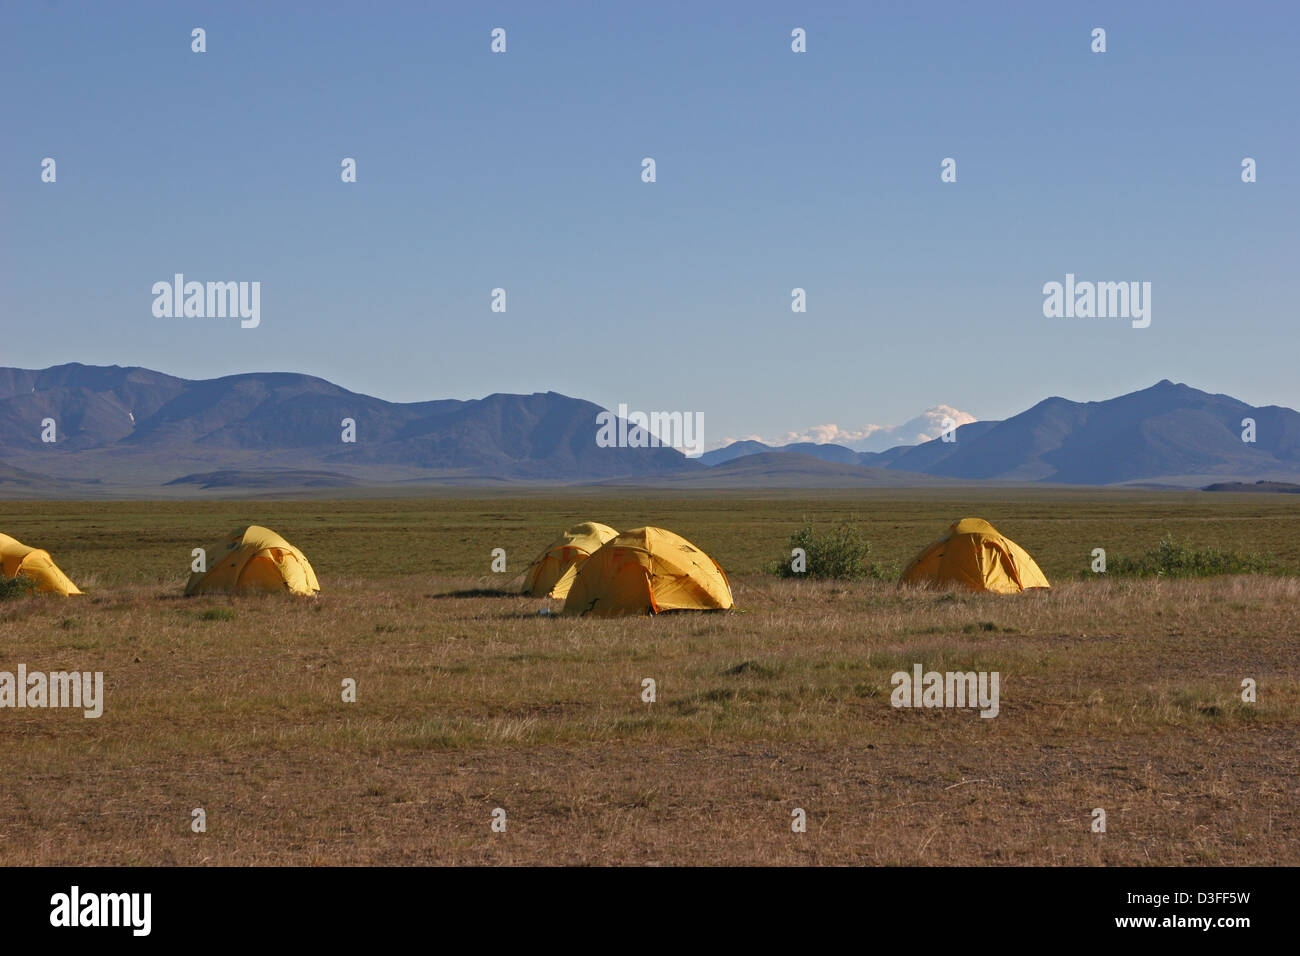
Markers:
775,170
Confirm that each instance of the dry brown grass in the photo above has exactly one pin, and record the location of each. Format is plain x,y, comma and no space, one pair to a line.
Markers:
1123,696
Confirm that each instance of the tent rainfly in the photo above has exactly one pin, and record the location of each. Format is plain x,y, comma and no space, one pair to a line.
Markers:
254,559
972,554
18,559
648,571
552,573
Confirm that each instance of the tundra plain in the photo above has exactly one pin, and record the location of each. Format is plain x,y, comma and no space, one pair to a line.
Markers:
1123,695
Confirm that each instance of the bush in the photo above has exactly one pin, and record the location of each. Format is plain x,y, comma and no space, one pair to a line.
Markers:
21,586
1178,561
840,554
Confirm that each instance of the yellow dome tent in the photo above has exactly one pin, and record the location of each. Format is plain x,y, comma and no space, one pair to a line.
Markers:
254,559
645,571
551,575
973,555
16,558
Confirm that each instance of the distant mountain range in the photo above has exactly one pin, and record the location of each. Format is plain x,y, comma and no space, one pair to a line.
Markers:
931,423
133,426
1166,433
132,430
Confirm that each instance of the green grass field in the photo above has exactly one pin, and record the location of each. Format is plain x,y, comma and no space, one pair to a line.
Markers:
113,543
1120,695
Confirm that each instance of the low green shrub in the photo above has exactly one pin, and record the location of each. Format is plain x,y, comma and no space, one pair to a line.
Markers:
21,586
842,554
1172,560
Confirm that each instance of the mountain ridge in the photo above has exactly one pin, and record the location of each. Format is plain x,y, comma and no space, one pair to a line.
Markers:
129,426
135,424
1166,431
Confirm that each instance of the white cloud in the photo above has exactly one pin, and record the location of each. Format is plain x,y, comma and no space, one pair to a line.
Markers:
924,427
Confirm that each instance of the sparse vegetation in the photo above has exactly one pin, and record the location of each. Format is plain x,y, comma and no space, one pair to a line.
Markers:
16,587
840,554
1172,560
1115,695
